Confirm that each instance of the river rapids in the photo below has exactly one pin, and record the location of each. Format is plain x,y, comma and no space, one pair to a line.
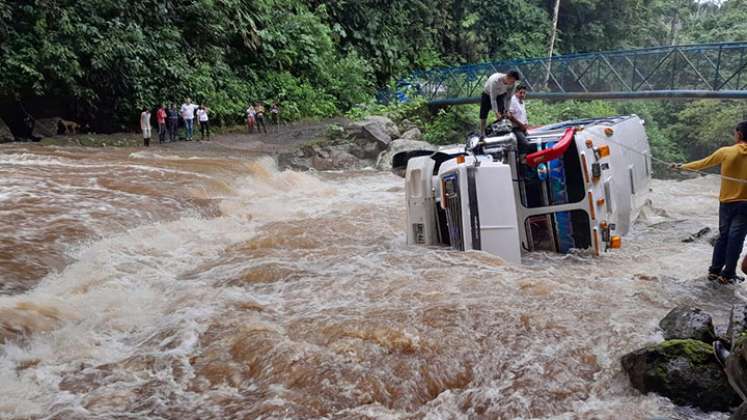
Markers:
174,284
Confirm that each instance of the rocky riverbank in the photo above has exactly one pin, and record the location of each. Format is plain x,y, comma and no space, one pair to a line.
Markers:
333,144
683,367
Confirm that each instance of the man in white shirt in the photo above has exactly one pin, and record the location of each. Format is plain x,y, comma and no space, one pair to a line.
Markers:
188,115
496,96
518,115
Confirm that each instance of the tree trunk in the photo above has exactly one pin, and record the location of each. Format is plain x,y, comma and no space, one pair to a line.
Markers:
553,33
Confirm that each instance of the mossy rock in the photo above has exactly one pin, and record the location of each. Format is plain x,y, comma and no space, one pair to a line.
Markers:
685,371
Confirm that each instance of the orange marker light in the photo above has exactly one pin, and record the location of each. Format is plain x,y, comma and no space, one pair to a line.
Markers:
584,167
615,242
603,151
609,131
460,159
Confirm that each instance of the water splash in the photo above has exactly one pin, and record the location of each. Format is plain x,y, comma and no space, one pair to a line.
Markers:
242,291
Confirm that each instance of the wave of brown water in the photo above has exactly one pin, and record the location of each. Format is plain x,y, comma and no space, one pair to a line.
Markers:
141,285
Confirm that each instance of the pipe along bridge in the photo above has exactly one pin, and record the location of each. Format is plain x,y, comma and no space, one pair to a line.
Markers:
687,71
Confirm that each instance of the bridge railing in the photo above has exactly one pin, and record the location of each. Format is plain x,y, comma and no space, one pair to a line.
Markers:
706,70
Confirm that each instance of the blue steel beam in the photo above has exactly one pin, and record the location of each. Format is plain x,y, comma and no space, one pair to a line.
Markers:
653,94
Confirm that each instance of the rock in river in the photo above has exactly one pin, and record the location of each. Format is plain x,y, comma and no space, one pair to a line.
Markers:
685,322
685,371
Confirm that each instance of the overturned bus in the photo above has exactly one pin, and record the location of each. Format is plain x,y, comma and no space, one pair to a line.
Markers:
579,185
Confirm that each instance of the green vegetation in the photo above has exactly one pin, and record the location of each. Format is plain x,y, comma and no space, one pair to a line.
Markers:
101,61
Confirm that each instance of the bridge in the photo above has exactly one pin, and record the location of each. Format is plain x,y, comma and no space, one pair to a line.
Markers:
687,71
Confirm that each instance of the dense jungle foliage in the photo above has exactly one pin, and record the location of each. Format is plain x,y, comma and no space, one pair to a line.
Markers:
100,61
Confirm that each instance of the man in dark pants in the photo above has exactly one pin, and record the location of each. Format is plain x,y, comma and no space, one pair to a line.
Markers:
173,121
499,89
732,215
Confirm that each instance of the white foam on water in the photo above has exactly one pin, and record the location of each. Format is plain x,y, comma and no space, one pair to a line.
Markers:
136,304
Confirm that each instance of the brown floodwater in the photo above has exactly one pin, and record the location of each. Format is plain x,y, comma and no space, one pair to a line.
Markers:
181,284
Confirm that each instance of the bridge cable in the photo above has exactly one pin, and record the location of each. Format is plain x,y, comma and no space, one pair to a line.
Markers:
670,164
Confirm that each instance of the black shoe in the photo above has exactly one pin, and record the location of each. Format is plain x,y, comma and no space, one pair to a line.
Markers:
734,279
713,276
721,351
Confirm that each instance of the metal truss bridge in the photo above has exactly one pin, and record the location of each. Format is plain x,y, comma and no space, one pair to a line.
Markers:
687,71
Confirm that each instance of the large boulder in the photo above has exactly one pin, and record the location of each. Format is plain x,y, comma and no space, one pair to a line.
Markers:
46,127
371,136
413,134
5,134
335,157
322,156
684,322
406,125
384,161
685,371
377,122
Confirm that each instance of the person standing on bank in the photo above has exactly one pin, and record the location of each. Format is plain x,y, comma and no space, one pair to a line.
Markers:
161,120
202,117
732,214
499,89
250,115
188,115
275,115
145,126
173,115
259,116
518,115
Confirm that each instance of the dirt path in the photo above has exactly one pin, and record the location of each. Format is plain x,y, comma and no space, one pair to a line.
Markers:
283,139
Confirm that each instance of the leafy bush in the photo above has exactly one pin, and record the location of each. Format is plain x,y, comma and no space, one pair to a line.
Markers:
451,125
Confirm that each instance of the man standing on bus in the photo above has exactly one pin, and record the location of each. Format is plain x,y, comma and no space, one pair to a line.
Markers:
732,213
497,96
518,115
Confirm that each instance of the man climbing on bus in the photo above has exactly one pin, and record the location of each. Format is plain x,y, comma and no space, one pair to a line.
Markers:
732,215
499,89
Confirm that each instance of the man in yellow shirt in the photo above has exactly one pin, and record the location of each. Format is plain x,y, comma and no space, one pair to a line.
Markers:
732,214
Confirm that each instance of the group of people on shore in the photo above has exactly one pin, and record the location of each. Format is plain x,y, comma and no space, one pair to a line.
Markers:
169,118
168,121
255,117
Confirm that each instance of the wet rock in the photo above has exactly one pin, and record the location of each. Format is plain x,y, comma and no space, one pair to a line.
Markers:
685,371
372,136
406,125
697,235
384,124
323,156
737,323
384,161
413,134
335,157
46,127
740,413
5,134
685,322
